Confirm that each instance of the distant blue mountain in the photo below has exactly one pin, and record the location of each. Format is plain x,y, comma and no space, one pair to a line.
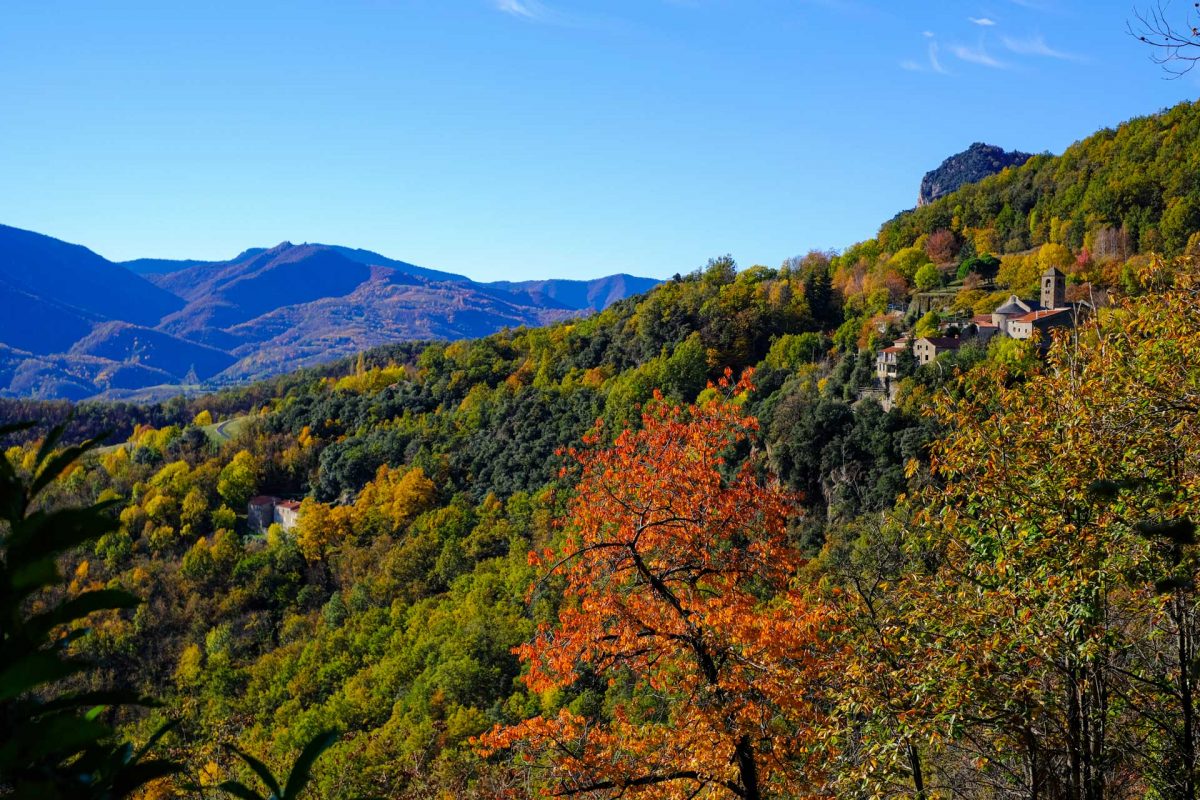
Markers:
76,325
76,278
596,294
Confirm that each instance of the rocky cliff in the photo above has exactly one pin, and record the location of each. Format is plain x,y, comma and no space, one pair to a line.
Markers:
973,164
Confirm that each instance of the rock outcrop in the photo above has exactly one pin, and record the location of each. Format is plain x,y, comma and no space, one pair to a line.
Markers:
973,164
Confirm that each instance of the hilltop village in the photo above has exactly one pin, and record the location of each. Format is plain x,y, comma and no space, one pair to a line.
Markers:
1015,318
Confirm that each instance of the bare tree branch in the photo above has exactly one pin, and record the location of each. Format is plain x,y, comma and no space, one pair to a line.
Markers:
1176,45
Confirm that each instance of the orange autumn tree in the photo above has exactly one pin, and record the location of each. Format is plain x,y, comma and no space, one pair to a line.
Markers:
678,596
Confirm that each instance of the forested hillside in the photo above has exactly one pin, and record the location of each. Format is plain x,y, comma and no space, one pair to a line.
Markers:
678,548
428,474
1116,193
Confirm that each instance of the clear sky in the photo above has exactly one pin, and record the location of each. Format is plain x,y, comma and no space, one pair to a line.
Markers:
532,138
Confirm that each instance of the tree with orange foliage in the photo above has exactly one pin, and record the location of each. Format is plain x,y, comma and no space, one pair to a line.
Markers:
677,591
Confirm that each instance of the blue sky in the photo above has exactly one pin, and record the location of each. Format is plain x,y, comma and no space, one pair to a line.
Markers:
532,138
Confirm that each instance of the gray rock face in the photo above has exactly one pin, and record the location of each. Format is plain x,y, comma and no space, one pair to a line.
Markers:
973,164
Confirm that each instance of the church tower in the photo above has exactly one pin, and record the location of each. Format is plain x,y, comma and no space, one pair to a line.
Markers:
1054,289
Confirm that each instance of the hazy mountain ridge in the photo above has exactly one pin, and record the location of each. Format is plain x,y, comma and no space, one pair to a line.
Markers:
77,325
595,294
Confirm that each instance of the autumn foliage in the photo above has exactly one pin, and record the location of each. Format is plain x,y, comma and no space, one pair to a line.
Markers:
1027,624
678,594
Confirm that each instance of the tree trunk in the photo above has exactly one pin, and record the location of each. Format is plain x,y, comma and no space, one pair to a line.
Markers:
747,768
1074,737
1187,744
918,777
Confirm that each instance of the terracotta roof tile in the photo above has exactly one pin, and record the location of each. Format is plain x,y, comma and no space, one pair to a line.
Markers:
1034,316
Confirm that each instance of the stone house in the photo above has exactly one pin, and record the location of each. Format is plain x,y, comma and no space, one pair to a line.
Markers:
980,328
1023,327
1015,317
925,350
287,512
1054,289
886,361
928,348
1012,308
1019,318
260,512
265,509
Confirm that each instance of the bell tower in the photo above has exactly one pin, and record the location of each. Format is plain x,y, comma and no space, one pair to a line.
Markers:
1054,289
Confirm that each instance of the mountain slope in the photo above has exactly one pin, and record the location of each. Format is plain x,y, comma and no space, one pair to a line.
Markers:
376,260
224,295
386,308
72,276
133,344
38,324
160,266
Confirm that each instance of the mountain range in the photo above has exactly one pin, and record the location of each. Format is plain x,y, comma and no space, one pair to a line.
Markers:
76,325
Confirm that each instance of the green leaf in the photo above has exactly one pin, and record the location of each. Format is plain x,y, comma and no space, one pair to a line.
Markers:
260,769
302,768
29,577
34,670
53,468
48,444
54,738
80,607
44,534
58,463
155,738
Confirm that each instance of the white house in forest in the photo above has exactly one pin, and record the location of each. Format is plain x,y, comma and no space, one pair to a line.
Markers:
263,510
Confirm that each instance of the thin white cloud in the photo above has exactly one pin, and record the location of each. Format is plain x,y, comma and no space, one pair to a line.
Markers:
985,22
934,62
976,55
1036,46
525,9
